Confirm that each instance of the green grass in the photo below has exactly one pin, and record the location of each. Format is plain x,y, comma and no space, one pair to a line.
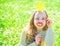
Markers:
14,16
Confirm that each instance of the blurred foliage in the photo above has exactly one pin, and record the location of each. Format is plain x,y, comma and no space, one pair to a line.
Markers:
15,14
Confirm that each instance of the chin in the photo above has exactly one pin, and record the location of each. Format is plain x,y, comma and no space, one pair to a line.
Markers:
39,27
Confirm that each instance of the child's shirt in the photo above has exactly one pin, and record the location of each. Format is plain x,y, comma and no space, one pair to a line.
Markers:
47,35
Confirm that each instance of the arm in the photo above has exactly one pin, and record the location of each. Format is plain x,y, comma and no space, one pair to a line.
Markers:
23,42
50,39
32,44
23,37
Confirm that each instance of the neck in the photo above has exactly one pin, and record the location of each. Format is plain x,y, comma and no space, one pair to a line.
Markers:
38,29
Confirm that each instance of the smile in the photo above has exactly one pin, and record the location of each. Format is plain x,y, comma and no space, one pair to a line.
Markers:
39,24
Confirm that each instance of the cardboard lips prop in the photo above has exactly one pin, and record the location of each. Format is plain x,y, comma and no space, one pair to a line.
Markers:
39,24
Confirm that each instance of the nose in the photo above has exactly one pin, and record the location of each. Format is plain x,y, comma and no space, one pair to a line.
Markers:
39,21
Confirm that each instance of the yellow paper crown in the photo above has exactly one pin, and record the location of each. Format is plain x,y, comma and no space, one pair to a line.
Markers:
40,7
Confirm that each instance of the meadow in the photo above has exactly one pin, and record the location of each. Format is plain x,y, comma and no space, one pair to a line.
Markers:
15,14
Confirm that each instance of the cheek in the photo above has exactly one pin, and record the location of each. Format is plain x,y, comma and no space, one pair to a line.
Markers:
44,22
35,22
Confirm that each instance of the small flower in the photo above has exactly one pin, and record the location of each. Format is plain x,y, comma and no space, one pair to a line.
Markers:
40,7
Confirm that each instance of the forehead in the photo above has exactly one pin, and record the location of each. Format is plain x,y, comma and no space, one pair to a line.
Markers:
40,14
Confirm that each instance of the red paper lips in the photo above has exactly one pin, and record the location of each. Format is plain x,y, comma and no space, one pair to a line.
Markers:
40,24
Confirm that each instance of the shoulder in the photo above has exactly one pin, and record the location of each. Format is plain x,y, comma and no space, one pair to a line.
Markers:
50,34
26,30
50,38
50,30
23,33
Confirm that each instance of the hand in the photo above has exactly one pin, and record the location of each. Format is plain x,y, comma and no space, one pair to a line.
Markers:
38,39
48,22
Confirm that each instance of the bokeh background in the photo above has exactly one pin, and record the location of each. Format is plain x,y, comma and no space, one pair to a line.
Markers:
15,14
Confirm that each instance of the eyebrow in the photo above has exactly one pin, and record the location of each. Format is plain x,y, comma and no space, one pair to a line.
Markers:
40,17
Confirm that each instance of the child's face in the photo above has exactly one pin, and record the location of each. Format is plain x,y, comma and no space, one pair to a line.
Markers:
40,19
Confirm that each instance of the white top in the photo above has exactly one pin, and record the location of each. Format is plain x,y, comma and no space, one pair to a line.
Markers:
48,36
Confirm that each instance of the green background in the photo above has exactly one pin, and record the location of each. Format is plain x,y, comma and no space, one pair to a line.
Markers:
15,14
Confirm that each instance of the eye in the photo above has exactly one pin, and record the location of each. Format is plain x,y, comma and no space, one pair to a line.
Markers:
37,18
42,18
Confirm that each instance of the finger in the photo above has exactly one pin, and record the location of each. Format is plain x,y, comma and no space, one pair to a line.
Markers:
48,21
38,36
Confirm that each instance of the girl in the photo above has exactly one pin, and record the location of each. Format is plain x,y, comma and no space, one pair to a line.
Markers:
39,31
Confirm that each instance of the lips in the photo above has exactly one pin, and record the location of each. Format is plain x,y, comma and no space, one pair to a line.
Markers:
39,24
